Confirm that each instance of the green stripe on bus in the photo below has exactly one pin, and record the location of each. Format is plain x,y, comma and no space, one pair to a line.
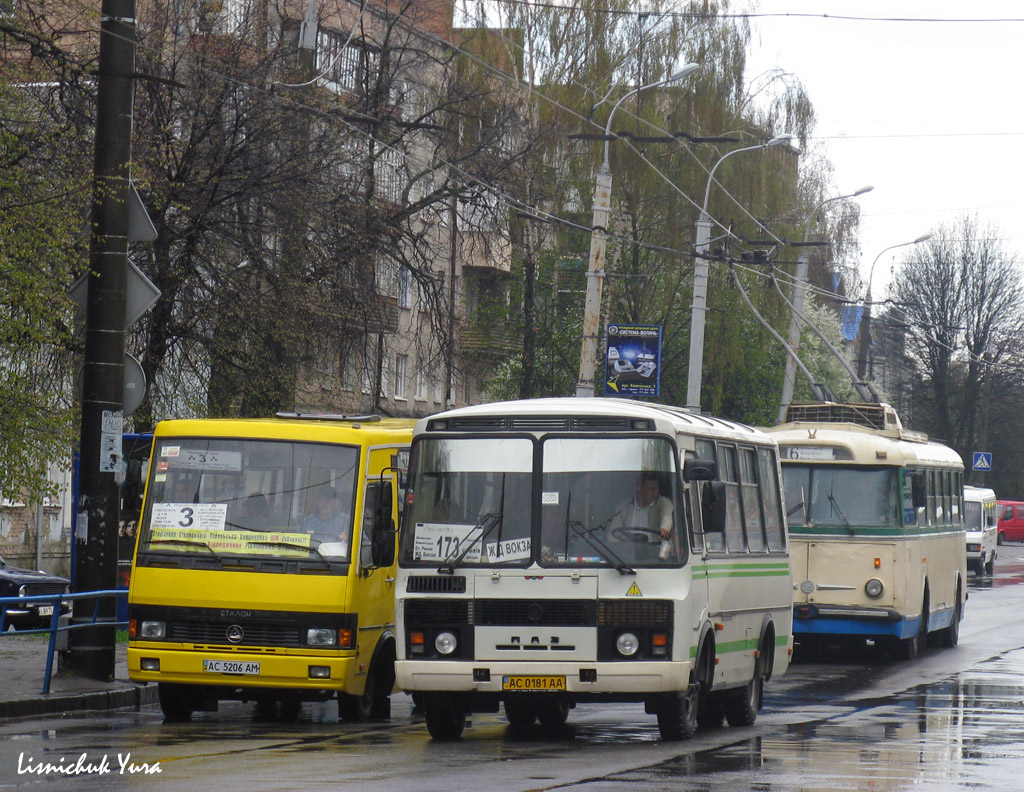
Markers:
747,644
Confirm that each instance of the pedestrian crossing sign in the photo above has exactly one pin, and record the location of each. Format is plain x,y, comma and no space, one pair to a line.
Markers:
982,460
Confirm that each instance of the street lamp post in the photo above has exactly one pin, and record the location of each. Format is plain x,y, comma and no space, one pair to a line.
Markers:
700,281
599,243
865,330
799,289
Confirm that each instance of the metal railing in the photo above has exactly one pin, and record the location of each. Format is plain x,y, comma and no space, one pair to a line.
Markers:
56,627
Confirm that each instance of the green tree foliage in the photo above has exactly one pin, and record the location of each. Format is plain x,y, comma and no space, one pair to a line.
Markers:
40,235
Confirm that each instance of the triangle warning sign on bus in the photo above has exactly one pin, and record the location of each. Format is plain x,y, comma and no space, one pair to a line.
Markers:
634,591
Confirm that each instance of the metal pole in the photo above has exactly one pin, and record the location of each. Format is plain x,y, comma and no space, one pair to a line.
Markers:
91,649
799,290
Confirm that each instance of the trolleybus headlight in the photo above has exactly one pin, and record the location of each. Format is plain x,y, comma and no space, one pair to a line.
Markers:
445,643
874,588
153,629
627,644
321,636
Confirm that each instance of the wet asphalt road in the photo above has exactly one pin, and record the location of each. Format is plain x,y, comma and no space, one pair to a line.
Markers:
850,720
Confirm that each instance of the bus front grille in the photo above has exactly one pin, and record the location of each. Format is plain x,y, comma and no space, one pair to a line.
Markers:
254,634
539,612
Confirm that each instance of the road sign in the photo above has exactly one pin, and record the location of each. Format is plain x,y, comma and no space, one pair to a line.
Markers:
140,296
983,460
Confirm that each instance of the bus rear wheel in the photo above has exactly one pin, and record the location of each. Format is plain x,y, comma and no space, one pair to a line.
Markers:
741,706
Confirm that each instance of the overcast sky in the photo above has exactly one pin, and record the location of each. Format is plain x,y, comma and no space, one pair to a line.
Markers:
929,112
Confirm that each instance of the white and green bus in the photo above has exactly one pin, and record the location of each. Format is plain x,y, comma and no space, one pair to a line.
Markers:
876,523
563,551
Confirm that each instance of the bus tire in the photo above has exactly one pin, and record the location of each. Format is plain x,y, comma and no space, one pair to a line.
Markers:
177,701
950,636
520,712
677,713
990,567
445,714
553,713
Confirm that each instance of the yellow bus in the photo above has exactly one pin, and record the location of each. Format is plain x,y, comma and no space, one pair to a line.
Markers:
265,561
559,551
876,524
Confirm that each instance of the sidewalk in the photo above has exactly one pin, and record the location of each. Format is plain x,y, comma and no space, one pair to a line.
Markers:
23,666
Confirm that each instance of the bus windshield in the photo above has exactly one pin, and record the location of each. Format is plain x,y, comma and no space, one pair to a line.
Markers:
843,498
228,498
972,516
602,502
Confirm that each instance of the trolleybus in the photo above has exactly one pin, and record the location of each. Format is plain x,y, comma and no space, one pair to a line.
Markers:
876,524
559,551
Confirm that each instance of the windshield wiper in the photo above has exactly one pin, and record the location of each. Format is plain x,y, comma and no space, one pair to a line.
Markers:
487,524
190,543
295,546
835,505
600,545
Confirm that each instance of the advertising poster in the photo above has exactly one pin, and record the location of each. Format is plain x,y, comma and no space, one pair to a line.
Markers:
633,360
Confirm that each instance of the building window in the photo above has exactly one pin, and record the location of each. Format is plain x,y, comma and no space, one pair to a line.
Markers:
401,363
404,287
421,384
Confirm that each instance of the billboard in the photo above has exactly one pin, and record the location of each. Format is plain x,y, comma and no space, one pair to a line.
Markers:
633,360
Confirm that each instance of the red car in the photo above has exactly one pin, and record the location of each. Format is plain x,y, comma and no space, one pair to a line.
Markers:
1011,521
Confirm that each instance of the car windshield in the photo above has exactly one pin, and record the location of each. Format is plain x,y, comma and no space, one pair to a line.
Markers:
842,498
972,516
231,498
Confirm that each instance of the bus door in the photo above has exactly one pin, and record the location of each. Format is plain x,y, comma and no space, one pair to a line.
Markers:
373,578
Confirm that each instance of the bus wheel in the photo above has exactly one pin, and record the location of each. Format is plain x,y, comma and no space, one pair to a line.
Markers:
677,713
445,714
553,713
356,709
741,706
904,648
520,711
950,636
177,702
990,567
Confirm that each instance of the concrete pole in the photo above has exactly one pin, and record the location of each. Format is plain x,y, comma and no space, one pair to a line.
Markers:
789,375
698,311
595,280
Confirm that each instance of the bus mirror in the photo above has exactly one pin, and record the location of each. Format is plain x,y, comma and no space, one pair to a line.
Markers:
131,490
699,469
713,507
383,539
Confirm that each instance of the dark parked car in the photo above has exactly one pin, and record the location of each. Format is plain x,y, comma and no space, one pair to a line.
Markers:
16,582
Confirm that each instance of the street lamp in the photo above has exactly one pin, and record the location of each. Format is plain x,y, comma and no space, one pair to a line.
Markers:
799,289
598,244
700,281
865,330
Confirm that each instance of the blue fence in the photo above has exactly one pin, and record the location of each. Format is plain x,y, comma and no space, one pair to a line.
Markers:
56,627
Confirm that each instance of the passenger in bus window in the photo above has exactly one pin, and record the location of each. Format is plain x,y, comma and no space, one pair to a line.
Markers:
255,514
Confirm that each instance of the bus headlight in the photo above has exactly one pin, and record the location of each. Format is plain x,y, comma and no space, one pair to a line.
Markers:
627,644
153,629
445,643
874,588
320,636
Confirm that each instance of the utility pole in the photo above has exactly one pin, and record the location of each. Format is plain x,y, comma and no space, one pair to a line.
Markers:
91,648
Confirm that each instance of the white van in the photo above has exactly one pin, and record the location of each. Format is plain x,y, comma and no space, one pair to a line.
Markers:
980,515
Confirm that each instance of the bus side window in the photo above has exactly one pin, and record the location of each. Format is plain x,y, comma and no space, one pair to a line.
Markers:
729,472
773,522
691,507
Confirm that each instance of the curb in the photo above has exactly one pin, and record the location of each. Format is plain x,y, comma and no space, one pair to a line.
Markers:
120,698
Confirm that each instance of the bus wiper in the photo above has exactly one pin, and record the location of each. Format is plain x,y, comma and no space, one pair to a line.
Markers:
835,505
600,545
190,543
487,524
294,546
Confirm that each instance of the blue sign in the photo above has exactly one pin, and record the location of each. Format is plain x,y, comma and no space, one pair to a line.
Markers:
983,460
633,360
